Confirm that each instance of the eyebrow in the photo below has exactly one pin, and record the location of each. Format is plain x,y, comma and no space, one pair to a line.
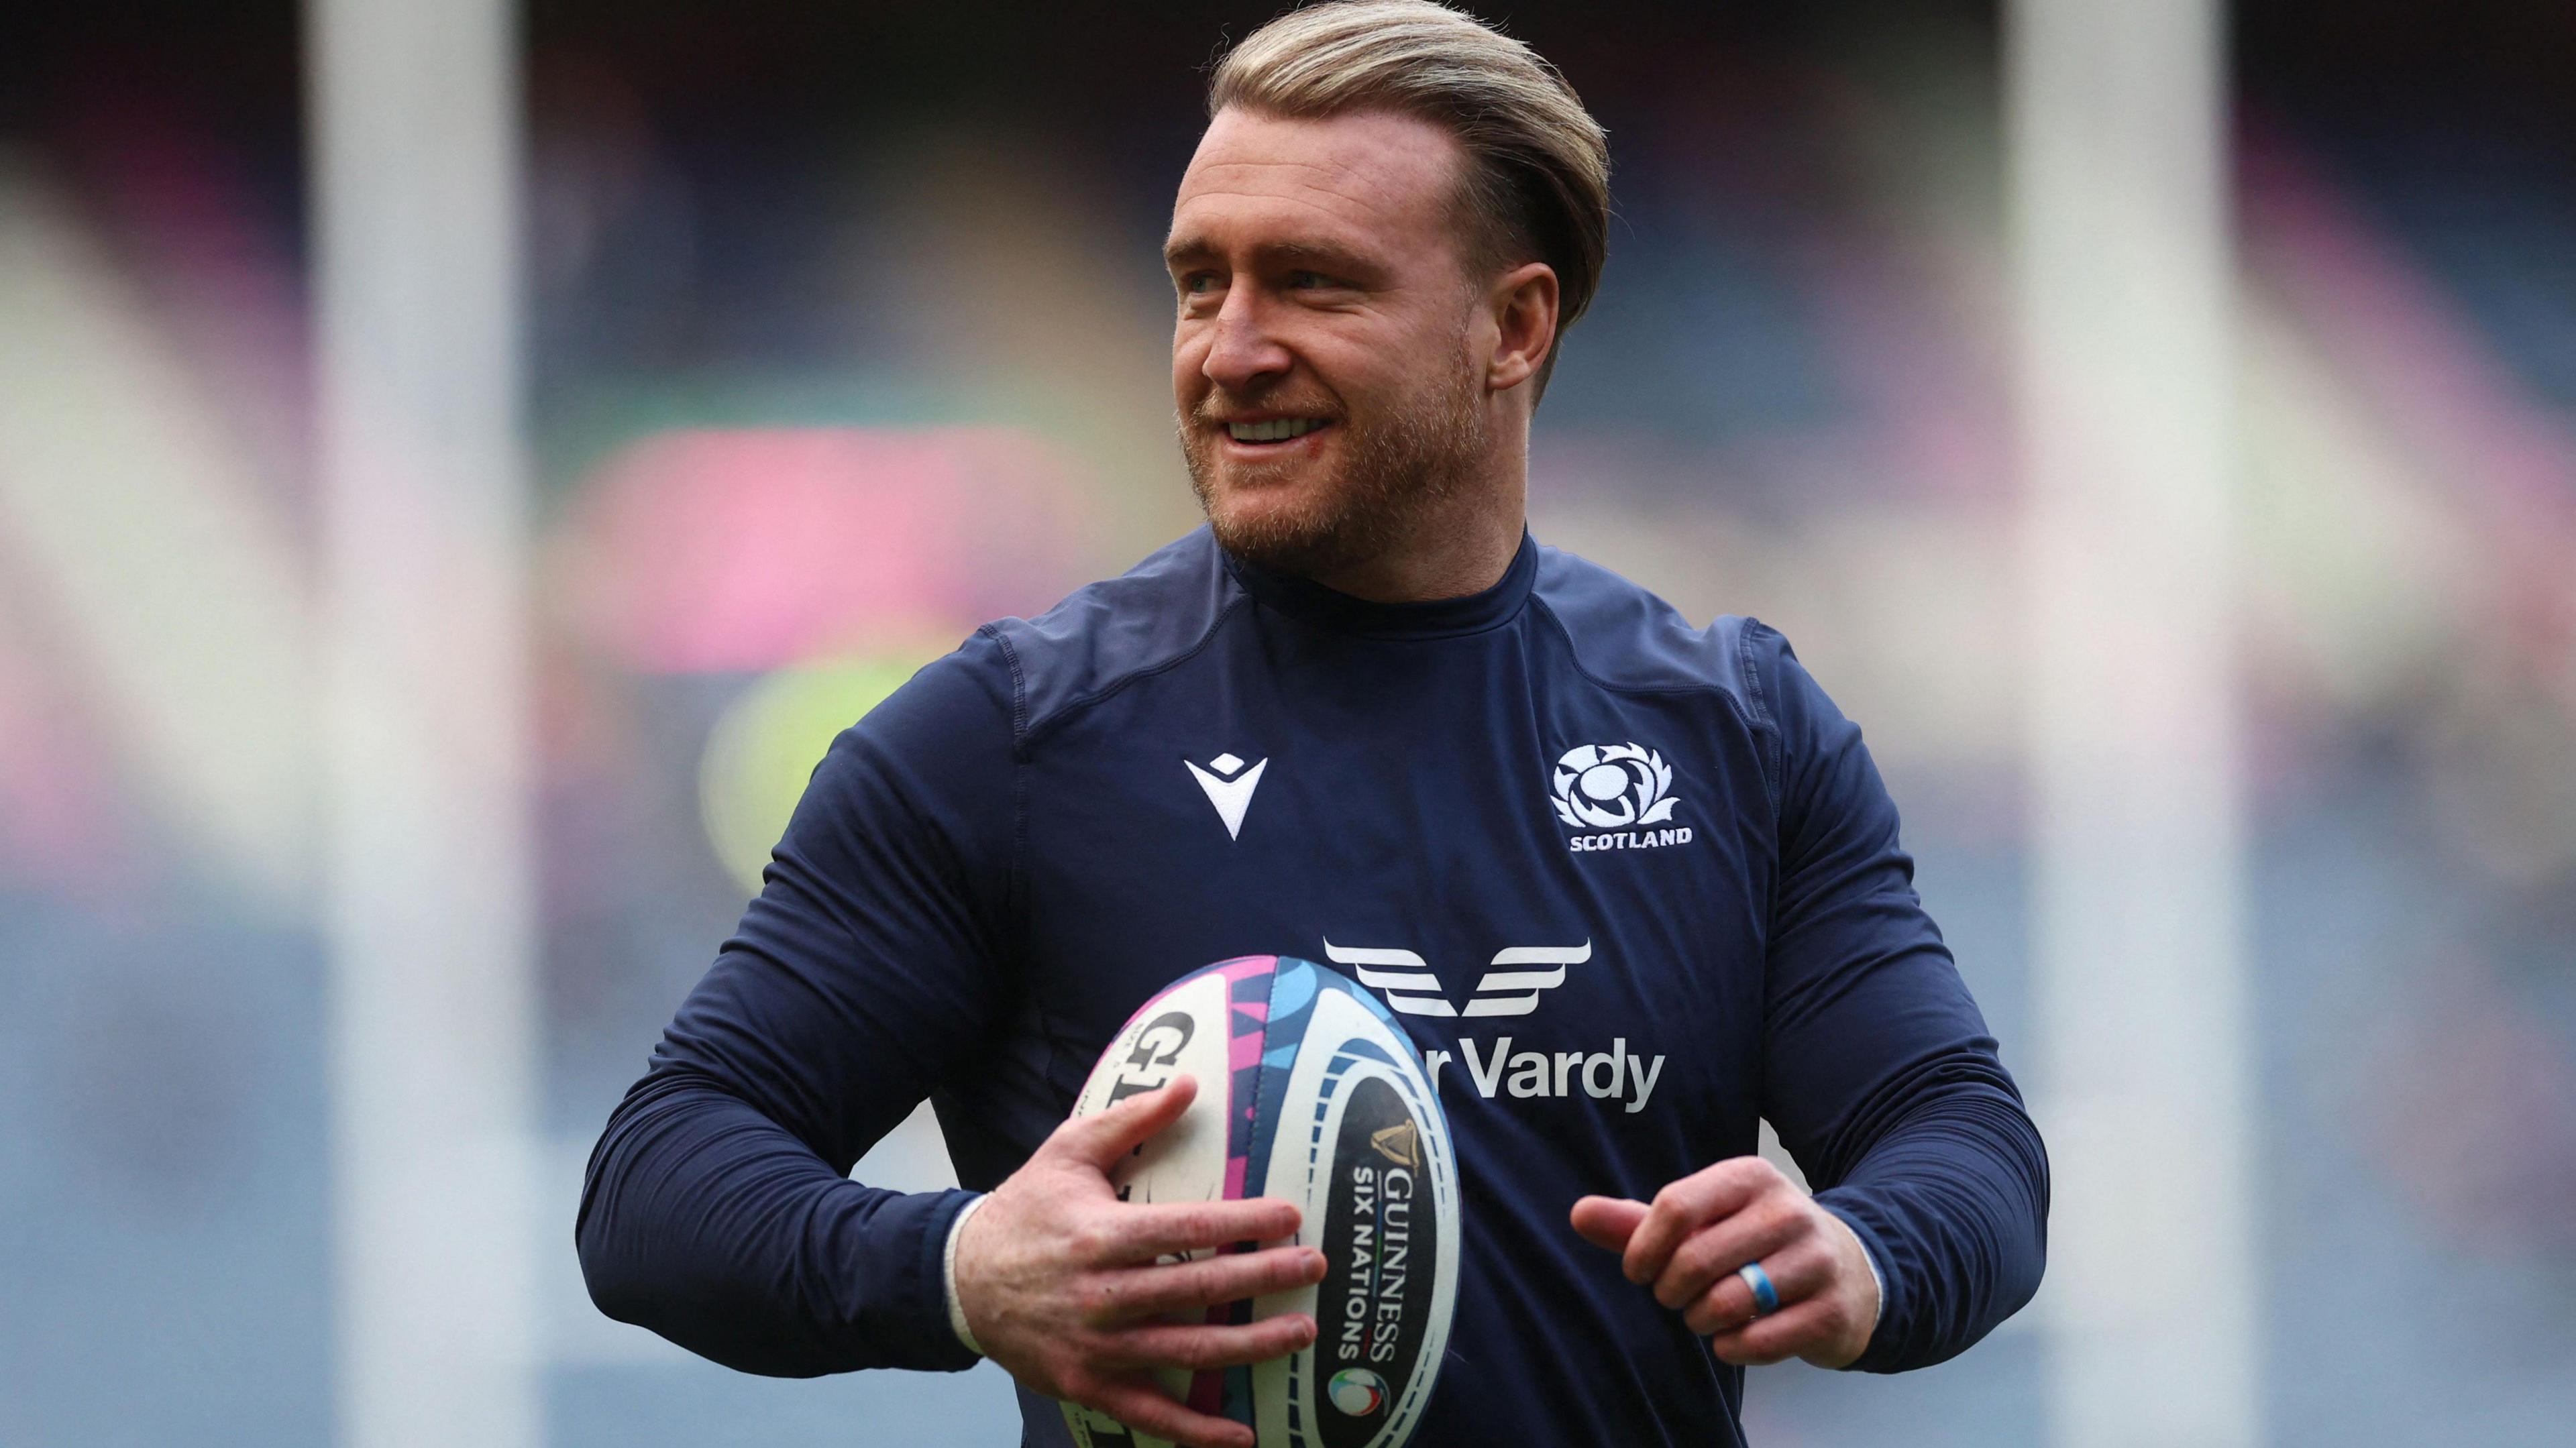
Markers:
1318,255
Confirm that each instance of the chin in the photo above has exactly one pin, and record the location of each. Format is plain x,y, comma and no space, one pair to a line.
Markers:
1293,527
1333,505
1269,513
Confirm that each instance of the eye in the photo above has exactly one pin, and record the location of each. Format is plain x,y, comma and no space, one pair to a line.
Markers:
1308,280
1198,283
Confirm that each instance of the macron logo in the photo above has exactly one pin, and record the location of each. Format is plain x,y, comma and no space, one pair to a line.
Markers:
1229,783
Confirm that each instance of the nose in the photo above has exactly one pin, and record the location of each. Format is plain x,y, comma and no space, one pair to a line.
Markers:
1241,351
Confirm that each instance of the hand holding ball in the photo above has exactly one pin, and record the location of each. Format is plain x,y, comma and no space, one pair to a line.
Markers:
1310,1095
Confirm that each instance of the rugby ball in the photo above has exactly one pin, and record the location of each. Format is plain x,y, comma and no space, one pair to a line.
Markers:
1310,1092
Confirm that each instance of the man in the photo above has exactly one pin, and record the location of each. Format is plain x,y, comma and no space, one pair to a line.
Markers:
1361,717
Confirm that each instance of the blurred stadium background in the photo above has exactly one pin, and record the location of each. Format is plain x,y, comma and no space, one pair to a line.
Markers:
460,463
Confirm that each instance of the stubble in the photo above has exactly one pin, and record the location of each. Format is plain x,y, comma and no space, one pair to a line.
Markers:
1401,467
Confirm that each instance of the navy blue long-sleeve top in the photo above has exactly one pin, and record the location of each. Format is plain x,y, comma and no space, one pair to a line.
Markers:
1632,886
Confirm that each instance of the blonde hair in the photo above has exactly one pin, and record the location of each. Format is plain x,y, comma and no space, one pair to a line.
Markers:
1537,186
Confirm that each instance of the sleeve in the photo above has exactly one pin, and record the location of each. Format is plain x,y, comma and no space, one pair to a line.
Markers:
1878,1072
717,1209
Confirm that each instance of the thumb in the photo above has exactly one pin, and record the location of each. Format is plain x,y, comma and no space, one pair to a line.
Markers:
1608,1222
1098,1141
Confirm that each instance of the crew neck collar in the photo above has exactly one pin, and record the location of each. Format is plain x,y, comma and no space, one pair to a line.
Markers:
1312,602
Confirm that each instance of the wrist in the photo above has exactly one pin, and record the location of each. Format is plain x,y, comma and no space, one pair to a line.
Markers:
1868,1255
948,1270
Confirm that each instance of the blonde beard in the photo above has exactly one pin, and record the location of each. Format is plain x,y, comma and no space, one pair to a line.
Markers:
1399,476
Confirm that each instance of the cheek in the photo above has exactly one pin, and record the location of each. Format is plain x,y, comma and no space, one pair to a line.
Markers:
1401,361
1355,368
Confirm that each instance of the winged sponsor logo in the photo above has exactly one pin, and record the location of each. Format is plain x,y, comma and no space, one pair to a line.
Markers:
1509,988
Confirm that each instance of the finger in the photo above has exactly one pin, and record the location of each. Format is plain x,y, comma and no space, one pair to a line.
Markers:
1690,1203
1196,1346
1125,1294
1140,1403
1783,1335
1797,1273
1100,1140
1162,1229
1608,1222
1764,1227
1723,1308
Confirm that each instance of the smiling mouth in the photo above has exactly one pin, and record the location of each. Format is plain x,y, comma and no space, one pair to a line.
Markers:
1277,430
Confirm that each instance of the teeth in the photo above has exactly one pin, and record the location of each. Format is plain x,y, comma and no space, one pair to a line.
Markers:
1276,430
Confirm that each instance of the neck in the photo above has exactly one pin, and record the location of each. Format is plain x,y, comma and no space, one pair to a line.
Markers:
1462,549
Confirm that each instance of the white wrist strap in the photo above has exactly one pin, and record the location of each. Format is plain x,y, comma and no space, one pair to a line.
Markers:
948,1273
1879,1308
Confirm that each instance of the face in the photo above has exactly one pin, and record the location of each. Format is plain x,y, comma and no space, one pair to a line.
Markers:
1327,364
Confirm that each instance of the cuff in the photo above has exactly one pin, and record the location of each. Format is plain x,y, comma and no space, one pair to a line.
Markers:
1877,1279
948,1274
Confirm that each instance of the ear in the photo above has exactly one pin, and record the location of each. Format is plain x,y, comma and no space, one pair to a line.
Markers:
1522,306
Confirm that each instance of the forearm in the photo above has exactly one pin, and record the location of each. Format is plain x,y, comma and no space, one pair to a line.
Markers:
708,1223
1951,1201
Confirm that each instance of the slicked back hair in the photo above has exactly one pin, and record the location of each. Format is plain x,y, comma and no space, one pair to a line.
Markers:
1537,186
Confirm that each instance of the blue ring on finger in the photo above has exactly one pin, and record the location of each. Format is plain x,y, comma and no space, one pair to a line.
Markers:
1766,1298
